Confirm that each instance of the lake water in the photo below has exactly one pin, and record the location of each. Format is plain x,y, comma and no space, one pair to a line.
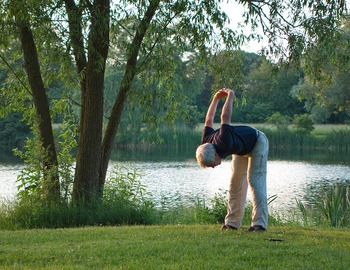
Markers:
183,180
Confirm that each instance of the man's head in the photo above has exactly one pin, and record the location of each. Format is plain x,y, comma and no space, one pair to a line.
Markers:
206,156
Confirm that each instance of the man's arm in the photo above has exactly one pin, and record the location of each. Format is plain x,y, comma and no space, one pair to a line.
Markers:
227,108
209,119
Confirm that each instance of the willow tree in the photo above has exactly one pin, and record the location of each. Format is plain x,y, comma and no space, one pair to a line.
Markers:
78,36
85,31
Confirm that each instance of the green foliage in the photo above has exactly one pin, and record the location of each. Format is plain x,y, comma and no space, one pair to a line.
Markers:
219,206
266,91
13,131
227,69
124,182
30,179
67,144
303,124
252,111
326,67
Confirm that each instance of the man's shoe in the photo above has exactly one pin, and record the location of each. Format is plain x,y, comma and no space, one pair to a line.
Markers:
256,228
227,227
251,229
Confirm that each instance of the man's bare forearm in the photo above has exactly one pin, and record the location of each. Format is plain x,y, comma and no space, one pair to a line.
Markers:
227,108
209,119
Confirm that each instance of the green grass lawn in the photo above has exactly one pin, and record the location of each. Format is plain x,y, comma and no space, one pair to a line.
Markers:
326,129
175,247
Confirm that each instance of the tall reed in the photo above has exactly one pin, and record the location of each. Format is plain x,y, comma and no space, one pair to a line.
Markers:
331,207
338,140
181,138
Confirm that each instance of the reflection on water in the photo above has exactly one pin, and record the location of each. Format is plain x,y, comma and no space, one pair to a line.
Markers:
173,154
8,177
171,177
289,180
186,181
175,174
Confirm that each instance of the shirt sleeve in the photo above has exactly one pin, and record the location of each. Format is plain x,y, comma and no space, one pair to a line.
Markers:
225,133
207,131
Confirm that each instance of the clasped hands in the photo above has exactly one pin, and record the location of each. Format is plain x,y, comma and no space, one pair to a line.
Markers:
223,92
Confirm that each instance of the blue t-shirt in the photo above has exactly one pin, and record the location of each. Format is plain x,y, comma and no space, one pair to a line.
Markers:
228,140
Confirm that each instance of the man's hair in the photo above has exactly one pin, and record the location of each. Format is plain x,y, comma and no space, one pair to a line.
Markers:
205,155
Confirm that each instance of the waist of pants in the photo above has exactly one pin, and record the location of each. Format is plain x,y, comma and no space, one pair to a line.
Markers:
257,133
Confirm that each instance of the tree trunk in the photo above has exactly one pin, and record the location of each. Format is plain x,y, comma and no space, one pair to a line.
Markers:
51,185
93,154
125,87
77,39
86,182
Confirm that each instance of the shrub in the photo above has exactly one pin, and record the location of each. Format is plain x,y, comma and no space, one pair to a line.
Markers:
125,202
303,124
281,121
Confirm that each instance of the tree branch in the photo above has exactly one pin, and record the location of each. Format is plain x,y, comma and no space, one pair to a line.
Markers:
14,73
125,86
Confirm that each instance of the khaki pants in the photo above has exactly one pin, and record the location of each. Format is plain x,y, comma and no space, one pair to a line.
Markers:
249,169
